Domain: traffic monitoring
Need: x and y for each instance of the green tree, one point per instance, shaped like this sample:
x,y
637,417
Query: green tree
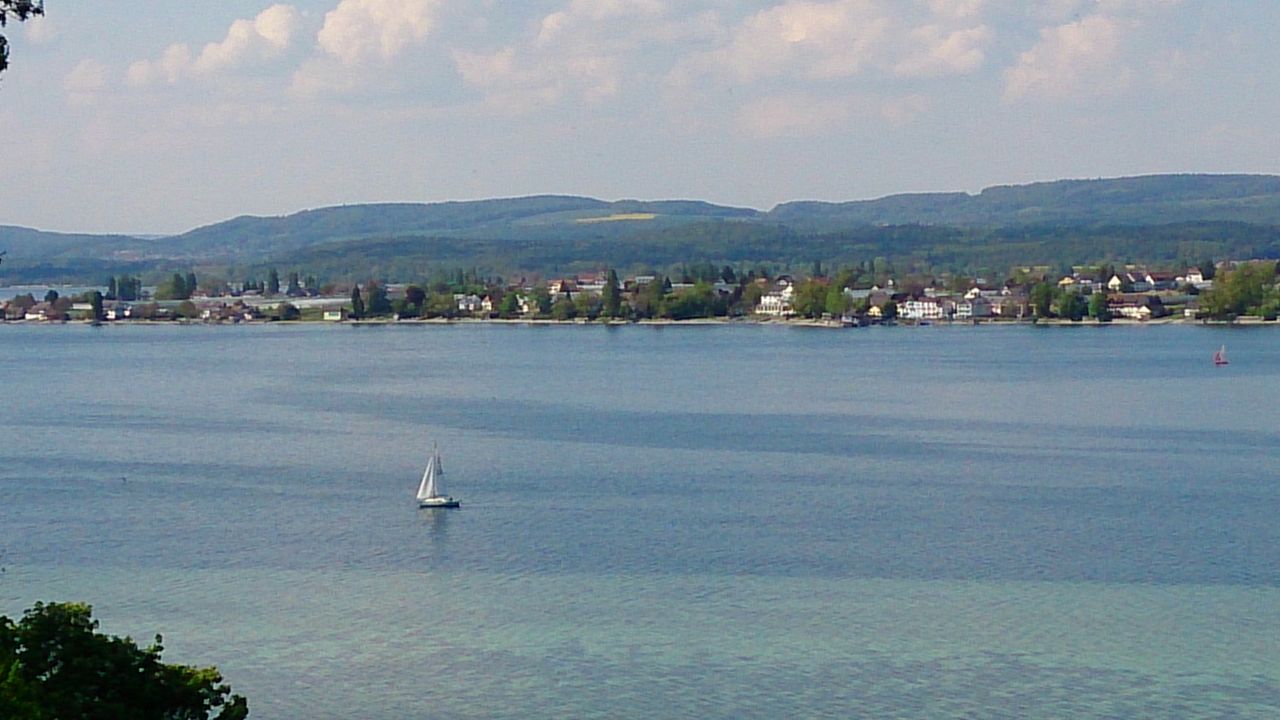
x,y
51,296
288,311
510,305
440,305
1042,299
357,303
273,282
542,300
810,298
750,298
650,298
1240,291
95,302
415,296
612,295
54,664
889,310
174,289
588,305
837,302
188,310
295,286
191,284
688,303
1072,306
1098,307
564,309
18,10
378,303
111,288
128,289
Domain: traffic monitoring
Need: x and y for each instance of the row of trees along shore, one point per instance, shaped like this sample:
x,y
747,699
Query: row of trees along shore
x,y
1245,288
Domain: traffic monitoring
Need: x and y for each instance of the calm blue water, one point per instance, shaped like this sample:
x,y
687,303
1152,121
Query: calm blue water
x,y
712,522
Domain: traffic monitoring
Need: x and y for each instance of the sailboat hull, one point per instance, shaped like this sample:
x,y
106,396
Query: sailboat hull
x,y
439,502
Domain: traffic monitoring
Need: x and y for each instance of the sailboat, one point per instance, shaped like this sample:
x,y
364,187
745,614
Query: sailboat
x,y
1220,356
429,495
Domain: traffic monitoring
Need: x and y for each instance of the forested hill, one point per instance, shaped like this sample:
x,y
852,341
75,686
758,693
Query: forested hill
x,y
1151,200
542,216
1141,219
1148,200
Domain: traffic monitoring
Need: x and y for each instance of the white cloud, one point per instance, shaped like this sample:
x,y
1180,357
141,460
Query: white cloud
x,y
587,51
267,35
1070,60
839,40
247,41
357,31
85,81
941,53
585,16
815,40
170,67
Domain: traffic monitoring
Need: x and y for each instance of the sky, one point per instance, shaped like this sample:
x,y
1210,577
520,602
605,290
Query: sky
x,y
158,116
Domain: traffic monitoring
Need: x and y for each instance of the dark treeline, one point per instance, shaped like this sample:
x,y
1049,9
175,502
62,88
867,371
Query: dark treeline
x,y
923,249
920,249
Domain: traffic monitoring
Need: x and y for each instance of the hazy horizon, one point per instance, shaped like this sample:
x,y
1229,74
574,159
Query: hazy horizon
x,y
299,211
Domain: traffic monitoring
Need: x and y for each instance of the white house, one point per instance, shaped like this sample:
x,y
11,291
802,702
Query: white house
x,y
1161,280
468,303
1136,307
1137,283
978,291
925,308
778,302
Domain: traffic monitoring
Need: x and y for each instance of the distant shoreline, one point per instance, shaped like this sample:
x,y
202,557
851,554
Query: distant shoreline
x,y
1248,321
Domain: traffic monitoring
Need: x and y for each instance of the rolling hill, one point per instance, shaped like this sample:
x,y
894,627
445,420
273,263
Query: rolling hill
x,y
1150,218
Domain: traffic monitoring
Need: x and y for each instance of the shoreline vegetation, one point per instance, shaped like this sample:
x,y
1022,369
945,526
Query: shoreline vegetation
x,y
1230,293
1246,321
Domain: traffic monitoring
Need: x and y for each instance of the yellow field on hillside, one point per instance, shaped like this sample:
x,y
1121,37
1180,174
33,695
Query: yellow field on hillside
x,y
619,217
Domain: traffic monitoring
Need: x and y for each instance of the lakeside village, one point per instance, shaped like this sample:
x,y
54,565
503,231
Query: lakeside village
x,y
1237,291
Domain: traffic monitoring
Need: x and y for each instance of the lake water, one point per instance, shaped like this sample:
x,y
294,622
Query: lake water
x,y
711,522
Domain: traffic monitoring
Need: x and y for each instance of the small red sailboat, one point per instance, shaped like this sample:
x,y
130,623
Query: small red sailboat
x,y
1220,356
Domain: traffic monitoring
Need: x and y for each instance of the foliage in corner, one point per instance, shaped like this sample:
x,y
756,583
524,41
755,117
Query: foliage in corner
x,y
18,10
54,664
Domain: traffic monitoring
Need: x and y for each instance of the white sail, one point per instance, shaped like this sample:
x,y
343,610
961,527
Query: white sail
x,y
437,468
427,488
430,492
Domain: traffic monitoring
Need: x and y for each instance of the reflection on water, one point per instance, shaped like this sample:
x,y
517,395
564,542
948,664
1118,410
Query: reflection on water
x,y
713,522
436,523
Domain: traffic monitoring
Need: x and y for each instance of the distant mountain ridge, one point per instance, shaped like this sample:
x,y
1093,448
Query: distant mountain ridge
x,y
546,230
1141,200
